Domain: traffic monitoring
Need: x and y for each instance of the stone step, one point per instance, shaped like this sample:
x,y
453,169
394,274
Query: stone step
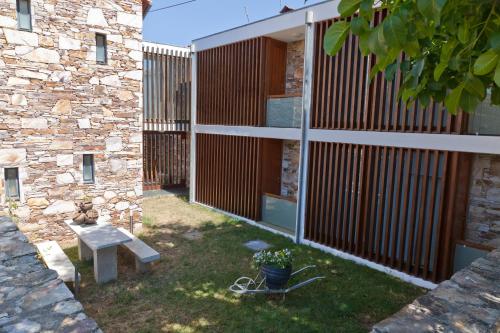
x,y
55,258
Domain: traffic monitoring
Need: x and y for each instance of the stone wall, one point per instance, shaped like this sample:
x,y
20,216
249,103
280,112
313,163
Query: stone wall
x,y
483,216
294,67
57,103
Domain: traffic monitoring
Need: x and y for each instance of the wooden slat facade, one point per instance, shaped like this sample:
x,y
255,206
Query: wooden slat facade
x,y
167,89
344,98
165,159
235,80
228,173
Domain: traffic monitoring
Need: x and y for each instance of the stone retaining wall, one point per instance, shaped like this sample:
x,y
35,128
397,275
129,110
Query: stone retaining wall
x,y
32,297
57,103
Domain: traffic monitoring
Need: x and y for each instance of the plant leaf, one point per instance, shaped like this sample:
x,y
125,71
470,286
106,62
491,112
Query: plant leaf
x,y
438,71
394,31
452,100
485,62
335,37
463,33
475,86
376,42
366,9
468,102
496,76
359,25
348,7
431,9
390,71
495,96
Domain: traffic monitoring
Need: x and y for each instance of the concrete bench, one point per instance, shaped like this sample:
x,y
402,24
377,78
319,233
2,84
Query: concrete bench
x,y
144,254
55,258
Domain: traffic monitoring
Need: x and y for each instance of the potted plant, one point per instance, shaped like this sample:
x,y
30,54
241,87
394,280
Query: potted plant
x,y
276,267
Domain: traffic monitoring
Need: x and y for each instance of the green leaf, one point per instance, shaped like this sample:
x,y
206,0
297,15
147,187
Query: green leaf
x,y
496,76
469,102
390,71
376,42
412,47
485,62
431,9
495,96
452,101
395,33
366,9
359,25
463,33
363,44
348,7
475,86
495,41
335,37
438,71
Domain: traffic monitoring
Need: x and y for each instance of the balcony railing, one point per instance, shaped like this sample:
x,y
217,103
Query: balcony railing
x,y
284,111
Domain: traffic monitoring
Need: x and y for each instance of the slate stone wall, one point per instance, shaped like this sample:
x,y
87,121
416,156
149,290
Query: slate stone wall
x,y
57,103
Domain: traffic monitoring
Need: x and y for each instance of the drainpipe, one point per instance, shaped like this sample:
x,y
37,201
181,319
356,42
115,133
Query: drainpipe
x,y
192,150
306,111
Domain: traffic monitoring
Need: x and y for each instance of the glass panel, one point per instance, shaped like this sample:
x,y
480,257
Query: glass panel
x,y
284,112
12,183
23,15
486,119
100,48
88,168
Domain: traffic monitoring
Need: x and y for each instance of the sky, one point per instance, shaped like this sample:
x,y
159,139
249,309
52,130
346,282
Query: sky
x,y
180,25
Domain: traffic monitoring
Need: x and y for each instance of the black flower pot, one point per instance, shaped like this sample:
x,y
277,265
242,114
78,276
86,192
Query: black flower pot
x,y
276,278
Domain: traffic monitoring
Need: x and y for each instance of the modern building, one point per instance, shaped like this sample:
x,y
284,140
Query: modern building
x,y
70,111
302,144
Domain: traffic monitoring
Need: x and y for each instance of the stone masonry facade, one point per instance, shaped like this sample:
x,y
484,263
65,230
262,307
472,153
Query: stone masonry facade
x,y
57,103
291,149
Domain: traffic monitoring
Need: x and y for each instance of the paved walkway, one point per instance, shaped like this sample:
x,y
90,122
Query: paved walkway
x,y
468,302
32,297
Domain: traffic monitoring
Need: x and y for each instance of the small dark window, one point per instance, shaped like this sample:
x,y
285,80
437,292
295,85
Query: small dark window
x,y
23,14
12,183
101,48
88,168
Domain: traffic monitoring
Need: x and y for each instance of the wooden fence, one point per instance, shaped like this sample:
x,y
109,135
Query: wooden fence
x,y
167,89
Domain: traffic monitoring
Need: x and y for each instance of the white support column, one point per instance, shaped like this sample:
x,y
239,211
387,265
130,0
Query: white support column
x,y
306,111
192,160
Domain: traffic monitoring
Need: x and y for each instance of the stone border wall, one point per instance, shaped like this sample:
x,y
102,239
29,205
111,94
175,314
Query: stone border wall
x,y
32,297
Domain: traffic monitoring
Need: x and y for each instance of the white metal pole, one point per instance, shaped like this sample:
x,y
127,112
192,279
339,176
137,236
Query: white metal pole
x,y
192,159
306,111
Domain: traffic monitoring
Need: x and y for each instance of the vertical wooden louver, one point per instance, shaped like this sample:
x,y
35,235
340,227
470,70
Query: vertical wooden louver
x,y
234,81
228,173
344,98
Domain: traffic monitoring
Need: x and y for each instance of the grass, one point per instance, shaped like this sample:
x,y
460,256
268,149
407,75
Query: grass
x,y
187,290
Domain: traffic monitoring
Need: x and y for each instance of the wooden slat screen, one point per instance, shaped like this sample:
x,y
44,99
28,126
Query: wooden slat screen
x,y
167,89
389,205
234,81
165,159
228,173
344,98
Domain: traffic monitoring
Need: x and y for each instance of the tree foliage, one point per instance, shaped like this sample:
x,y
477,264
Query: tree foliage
x,y
451,47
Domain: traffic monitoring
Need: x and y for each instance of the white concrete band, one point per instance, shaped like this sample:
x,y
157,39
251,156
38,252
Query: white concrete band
x,y
255,132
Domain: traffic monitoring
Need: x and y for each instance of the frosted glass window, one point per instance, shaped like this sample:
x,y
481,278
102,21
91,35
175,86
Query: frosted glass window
x,y
12,183
23,14
101,49
88,168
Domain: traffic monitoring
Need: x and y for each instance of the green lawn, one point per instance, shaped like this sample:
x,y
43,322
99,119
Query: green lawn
x,y
187,290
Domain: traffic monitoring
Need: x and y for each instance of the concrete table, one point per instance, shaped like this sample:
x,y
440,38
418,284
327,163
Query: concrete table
x,y
100,242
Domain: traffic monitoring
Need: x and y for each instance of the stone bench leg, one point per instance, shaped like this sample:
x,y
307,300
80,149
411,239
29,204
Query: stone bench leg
x,y
105,265
141,267
84,252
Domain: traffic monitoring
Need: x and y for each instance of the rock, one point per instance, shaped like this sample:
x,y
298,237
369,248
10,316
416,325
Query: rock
x,y
19,37
22,50
31,74
64,159
8,22
131,20
125,95
38,202
22,212
114,143
133,75
65,178
63,106
15,81
35,123
59,207
98,201
117,165
122,205
59,145
84,123
66,43
111,80
115,38
96,17
108,195
24,326
68,307
94,80
43,55
19,99
135,55
60,76
10,157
